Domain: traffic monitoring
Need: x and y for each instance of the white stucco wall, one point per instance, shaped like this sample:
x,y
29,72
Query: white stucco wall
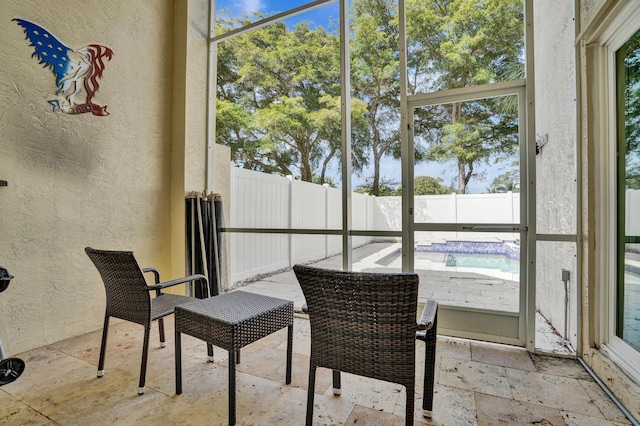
x,y
556,198
84,180
588,10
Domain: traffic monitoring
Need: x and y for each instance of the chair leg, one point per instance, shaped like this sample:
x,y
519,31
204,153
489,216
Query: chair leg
x,y
163,342
210,352
411,396
232,387
337,384
289,353
103,346
178,361
311,394
145,352
429,372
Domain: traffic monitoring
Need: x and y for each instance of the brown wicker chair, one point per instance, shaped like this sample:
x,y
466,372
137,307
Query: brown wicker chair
x,y
365,324
129,298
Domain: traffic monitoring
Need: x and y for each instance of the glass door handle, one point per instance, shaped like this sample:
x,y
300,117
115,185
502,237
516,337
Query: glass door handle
x,y
496,228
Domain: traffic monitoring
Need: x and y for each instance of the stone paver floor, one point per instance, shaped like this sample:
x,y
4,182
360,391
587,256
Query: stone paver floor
x,y
476,384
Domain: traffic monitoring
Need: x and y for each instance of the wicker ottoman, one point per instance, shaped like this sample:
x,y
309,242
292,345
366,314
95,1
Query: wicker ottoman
x,y
232,321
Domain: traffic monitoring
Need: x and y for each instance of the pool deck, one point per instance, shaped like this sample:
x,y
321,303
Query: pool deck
x,y
456,288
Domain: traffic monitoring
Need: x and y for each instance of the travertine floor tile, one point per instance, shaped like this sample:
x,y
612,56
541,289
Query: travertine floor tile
x,y
573,419
451,406
330,410
493,410
450,347
257,398
49,374
476,383
14,412
112,401
505,356
475,376
301,337
368,416
551,391
564,367
85,347
606,406
371,393
271,364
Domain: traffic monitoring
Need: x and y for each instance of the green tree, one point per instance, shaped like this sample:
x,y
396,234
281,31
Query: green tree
x,y
632,178
631,54
328,180
507,181
375,70
386,187
456,44
427,185
278,104
278,99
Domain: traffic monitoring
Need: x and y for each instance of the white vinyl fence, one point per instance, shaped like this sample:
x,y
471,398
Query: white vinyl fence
x,y
259,200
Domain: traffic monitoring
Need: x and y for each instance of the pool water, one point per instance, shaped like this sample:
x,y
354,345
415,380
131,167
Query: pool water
x,y
508,249
485,261
447,261
498,258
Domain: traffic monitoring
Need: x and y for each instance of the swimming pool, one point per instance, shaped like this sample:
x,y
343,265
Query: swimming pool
x,y
499,259
503,256
506,248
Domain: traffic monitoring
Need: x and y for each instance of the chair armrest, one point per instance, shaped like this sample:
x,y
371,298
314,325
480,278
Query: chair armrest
x,y
195,277
428,315
156,273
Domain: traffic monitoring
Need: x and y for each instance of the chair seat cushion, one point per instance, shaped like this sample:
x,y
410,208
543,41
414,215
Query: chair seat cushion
x,y
164,304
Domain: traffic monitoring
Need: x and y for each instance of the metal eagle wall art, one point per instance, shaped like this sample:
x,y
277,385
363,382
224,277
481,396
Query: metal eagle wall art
x,y
76,70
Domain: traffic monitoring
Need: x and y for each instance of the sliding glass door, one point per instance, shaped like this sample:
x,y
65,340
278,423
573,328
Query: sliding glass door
x,y
627,318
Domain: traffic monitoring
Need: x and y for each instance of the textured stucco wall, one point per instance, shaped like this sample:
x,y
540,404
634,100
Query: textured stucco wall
x,y
81,180
588,10
191,151
555,91
189,115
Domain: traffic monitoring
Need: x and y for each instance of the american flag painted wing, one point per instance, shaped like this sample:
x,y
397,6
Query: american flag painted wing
x,y
51,53
95,54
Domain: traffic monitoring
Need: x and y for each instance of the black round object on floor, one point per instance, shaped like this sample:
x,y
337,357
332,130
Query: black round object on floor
x,y
10,370
5,279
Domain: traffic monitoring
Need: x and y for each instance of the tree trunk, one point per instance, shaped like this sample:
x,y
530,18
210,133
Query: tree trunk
x,y
375,185
462,181
456,111
325,164
306,173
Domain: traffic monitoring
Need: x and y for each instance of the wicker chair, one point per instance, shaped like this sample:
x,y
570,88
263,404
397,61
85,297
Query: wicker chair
x,y
129,298
365,324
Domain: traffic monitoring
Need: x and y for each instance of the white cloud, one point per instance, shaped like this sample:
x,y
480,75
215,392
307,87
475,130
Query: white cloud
x,y
251,5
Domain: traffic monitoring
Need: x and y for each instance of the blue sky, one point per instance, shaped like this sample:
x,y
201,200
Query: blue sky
x,y
239,6
257,5
320,16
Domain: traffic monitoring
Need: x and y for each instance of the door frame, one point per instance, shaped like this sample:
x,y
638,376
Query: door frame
x,y
603,70
497,326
